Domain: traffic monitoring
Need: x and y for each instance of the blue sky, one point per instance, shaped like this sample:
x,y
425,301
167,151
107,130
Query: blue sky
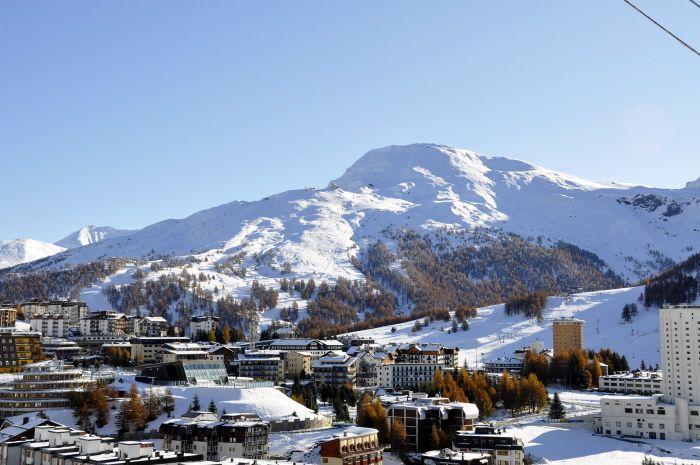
x,y
125,113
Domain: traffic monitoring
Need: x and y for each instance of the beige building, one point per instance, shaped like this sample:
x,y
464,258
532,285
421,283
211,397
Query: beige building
x,y
7,317
298,362
354,445
567,335
150,349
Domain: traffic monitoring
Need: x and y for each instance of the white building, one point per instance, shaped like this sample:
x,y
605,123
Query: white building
x,y
633,382
674,414
203,324
73,310
50,325
151,326
407,375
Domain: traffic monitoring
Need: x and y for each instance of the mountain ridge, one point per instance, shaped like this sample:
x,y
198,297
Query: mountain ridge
x,y
636,230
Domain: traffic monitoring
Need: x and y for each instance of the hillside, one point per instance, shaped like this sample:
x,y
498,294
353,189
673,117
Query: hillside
x,y
453,223
493,334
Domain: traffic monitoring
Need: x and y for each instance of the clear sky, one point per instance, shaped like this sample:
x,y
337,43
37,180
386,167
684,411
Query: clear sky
x,y
124,113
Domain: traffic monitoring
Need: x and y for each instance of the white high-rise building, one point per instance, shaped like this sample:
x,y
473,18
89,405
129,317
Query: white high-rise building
x,y
680,353
675,413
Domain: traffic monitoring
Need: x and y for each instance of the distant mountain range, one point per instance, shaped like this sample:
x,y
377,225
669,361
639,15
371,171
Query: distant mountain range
x,y
18,251
636,230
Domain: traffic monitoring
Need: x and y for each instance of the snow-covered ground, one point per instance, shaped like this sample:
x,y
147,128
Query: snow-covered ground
x,y
493,334
573,444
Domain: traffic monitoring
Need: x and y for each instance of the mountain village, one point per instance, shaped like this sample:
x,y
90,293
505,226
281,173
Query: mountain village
x,y
101,387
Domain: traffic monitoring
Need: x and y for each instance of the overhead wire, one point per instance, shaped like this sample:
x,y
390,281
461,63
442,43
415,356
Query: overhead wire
x,y
685,44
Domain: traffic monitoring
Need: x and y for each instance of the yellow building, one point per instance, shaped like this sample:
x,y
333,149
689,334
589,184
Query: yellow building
x,y
18,349
567,335
298,362
355,445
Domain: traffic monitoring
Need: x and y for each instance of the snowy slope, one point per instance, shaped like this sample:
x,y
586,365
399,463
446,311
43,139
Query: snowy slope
x,y
14,252
425,186
493,334
90,235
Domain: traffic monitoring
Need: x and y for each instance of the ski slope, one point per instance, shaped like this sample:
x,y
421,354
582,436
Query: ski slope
x,y
493,334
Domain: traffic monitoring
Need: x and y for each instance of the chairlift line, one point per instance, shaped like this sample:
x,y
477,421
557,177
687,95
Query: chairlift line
x,y
685,44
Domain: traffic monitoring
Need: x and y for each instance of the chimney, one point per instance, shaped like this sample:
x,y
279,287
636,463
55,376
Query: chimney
x,y
25,420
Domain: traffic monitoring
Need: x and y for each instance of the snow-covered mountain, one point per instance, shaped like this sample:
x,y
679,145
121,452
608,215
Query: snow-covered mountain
x,y
635,229
14,252
90,235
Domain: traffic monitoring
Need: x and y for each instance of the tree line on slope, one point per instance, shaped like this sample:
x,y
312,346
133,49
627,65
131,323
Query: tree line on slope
x,y
436,275
677,285
55,283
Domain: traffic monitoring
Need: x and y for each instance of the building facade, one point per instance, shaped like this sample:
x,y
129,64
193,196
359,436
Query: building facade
x,y
336,369
355,445
103,323
203,325
50,324
150,349
261,365
217,440
505,449
8,316
675,413
419,415
19,348
73,310
567,335
633,382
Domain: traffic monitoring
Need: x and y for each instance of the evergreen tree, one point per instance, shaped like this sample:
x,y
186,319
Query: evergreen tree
x,y
195,405
556,408
212,406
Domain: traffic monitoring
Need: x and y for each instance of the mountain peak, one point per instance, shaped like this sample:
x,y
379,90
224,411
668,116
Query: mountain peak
x,y
90,234
16,251
693,184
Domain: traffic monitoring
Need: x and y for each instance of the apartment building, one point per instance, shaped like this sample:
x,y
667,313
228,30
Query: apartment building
x,y
8,316
261,365
675,413
335,369
421,413
19,348
150,326
73,310
316,347
60,349
50,324
150,349
66,446
567,335
453,457
203,325
103,323
506,449
297,363
354,445
368,363
231,437
42,386
633,382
